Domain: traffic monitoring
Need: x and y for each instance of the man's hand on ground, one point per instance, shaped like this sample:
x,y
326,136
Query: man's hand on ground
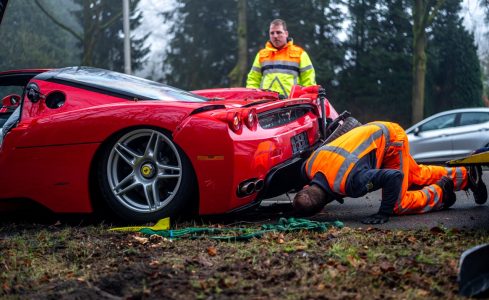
x,y
378,218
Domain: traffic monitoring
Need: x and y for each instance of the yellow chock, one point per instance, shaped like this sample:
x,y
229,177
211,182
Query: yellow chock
x,y
163,224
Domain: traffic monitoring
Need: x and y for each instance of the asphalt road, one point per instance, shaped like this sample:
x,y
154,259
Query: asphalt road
x,y
464,214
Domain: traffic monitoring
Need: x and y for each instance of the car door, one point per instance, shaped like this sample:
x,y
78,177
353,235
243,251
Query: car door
x,y
471,133
431,140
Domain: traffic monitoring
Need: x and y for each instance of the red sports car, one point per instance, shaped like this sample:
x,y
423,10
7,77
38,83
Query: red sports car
x,y
74,138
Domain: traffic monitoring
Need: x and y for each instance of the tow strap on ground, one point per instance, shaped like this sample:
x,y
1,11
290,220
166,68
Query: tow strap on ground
x,y
243,234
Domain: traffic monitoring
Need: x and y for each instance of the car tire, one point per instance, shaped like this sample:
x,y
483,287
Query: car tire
x,y
144,176
348,124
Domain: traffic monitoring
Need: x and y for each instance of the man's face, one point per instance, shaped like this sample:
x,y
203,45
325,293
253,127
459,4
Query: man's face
x,y
278,36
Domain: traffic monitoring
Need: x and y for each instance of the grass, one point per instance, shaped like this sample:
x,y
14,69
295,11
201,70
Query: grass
x,y
48,261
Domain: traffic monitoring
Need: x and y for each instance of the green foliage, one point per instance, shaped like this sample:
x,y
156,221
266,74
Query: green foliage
x,y
454,75
313,25
376,81
203,48
103,37
30,40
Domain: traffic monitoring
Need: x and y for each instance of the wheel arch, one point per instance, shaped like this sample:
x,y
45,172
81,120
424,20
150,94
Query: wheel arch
x,y
96,200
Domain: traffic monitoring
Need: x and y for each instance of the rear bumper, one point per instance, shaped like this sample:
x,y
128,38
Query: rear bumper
x,y
284,178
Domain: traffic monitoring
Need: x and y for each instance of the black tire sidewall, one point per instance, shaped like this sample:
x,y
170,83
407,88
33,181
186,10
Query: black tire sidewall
x,y
348,124
181,200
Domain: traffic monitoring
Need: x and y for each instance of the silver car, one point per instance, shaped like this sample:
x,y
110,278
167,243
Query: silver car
x,y
449,135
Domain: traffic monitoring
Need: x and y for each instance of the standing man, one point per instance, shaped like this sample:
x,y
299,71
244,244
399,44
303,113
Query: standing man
x,y
281,64
376,156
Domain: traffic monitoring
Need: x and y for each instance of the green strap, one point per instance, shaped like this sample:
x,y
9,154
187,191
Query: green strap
x,y
244,234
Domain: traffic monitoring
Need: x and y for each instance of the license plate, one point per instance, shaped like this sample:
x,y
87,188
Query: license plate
x,y
299,142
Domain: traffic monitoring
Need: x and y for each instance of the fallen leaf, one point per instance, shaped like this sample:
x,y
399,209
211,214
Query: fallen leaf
x,y
412,239
229,282
204,261
453,264
212,251
353,261
45,278
154,238
333,272
154,263
386,266
375,271
341,268
141,240
6,287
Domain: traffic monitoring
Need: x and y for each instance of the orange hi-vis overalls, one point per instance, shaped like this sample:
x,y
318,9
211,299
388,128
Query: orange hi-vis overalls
x,y
376,155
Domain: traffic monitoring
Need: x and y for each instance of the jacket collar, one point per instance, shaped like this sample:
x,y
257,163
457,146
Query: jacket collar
x,y
270,46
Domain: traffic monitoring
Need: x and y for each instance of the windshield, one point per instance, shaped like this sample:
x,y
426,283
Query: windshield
x,y
122,85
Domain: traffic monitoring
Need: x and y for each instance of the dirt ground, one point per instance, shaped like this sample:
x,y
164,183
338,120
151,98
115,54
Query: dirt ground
x,y
71,259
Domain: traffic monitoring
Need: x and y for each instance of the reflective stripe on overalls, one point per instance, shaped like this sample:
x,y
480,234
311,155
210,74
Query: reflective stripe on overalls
x,y
338,180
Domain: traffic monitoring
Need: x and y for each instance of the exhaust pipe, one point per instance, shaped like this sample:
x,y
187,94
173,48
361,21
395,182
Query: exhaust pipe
x,y
259,184
247,188
250,186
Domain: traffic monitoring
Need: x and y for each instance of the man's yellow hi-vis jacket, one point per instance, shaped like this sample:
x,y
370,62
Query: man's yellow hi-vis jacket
x,y
279,69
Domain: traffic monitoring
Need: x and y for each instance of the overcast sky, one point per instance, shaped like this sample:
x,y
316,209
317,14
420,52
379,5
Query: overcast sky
x,y
152,22
158,40
474,21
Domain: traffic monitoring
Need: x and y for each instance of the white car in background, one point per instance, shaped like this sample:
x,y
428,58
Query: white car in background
x,y
449,135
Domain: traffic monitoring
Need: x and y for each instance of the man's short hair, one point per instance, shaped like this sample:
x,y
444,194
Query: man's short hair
x,y
277,22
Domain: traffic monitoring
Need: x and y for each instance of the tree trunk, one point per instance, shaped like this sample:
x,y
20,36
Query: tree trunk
x,y
419,62
424,12
237,75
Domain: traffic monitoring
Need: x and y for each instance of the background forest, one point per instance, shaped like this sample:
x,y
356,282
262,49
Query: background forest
x,y
362,50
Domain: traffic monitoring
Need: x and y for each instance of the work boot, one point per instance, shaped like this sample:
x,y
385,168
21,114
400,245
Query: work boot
x,y
310,200
448,197
476,185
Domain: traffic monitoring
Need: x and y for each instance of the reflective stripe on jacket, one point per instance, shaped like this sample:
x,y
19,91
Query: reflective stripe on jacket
x,y
279,69
336,159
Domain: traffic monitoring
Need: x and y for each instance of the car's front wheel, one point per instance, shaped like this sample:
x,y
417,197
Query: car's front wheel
x,y
144,176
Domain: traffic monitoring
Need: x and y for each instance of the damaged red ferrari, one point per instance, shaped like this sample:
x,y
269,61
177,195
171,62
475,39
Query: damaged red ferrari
x,y
77,137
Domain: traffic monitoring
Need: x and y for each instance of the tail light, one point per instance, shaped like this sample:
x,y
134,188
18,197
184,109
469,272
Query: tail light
x,y
250,118
234,120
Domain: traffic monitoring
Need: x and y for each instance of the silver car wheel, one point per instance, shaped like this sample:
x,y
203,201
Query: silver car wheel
x,y
144,170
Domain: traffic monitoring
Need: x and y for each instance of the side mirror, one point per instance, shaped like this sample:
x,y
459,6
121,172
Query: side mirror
x,y
33,92
416,131
11,100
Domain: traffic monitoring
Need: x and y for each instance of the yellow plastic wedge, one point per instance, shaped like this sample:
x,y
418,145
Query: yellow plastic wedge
x,y
163,224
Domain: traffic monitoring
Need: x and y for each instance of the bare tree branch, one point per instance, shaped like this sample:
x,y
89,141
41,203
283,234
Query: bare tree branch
x,y
111,21
59,23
